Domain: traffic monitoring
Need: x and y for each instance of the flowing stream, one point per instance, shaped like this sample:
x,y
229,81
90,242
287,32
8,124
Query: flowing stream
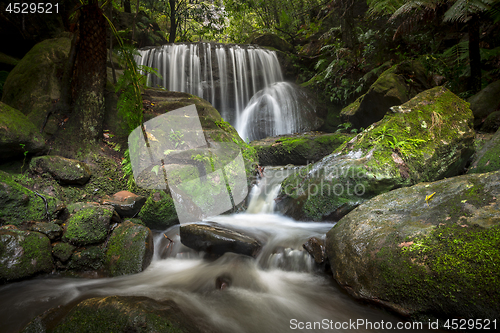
x,y
278,291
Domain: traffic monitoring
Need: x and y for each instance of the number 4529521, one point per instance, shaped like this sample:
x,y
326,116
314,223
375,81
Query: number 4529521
x,y
32,8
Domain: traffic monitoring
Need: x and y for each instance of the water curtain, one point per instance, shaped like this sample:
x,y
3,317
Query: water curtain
x,y
245,83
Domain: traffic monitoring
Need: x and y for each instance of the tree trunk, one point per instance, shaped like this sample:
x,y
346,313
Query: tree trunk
x,y
126,6
173,21
474,54
90,74
135,21
347,22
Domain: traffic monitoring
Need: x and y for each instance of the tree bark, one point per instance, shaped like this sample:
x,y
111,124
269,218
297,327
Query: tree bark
x,y
90,74
173,21
474,54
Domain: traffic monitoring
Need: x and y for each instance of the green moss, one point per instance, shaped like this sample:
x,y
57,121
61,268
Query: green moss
x,y
62,251
455,265
130,249
88,226
23,254
87,259
159,211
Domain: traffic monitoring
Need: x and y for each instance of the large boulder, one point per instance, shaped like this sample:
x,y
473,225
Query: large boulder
x,y
485,102
298,149
18,136
273,41
394,87
215,240
89,225
126,204
488,158
430,249
64,170
428,138
130,249
118,314
492,122
23,254
19,204
35,83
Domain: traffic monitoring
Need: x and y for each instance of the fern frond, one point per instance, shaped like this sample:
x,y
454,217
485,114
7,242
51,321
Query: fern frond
x,y
461,10
457,53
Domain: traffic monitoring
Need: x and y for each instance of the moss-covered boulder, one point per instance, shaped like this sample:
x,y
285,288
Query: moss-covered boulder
x,y
118,314
272,40
159,211
298,149
430,249
485,102
62,251
51,230
491,123
488,158
23,254
89,225
130,249
428,138
90,258
35,83
18,204
64,170
18,136
394,87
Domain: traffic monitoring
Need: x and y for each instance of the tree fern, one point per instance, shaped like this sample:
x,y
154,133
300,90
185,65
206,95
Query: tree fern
x,y
461,10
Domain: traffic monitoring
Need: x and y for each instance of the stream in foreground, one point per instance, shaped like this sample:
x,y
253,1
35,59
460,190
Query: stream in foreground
x,y
279,291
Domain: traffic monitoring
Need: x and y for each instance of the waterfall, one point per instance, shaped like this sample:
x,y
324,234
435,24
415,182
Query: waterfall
x,y
234,78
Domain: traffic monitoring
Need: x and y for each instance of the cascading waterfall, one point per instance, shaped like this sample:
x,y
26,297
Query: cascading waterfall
x,y
232,77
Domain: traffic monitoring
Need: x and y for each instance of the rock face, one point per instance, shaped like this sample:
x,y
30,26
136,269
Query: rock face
x,y
118,314
126,204
300,149
130,249
64,170
491,123
272,40
432,248
488,158
394,87
18,204
428,138
17,134
35,83
88,226
485,102
23,254
216,240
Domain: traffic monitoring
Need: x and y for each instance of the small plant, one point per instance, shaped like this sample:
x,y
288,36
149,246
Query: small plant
x,y
25,155
343,127
176,137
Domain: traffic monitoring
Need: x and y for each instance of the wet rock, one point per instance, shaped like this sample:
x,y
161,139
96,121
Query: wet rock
x,y
35,83
272,40
18,204
130,249
118,314
51,230
491,123
158,211
488,158
62,251
394,87
126,204
316,248
89,225
428,138
87,259
216,240
18,136
23,254
64,170
485,102
432,248
300,149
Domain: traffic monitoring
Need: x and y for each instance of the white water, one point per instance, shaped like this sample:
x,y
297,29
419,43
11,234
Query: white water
x,y
265,294
233,78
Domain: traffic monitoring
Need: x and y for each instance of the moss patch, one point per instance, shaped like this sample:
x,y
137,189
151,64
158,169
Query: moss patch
x,y
88,226
159,211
